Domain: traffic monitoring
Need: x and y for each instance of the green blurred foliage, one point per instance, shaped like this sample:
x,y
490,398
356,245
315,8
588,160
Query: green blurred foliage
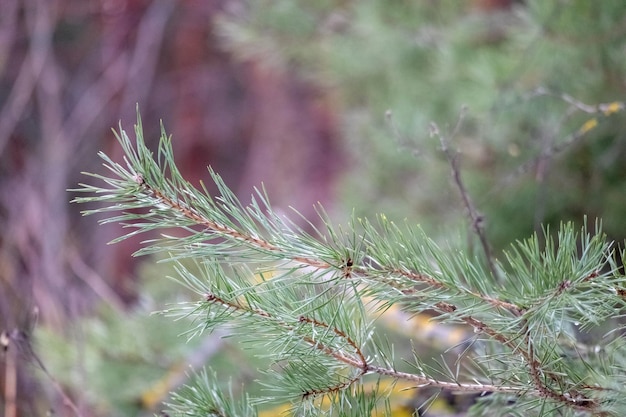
x,y
115,357
127,363
424,61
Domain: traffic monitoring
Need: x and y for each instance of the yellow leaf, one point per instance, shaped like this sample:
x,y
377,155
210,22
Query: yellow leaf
x,y
589,124
611,108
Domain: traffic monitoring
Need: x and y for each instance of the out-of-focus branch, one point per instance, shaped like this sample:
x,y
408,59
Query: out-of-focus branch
x,y
476,219
10,376
19,343
143,62
28,73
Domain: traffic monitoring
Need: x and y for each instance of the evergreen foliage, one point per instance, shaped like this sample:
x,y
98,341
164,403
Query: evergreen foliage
x,y
546,315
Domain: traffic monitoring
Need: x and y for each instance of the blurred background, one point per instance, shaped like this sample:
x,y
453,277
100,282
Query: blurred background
x,y
327,101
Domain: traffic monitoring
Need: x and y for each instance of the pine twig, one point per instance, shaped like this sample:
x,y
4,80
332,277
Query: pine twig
x,y
357,359
347,268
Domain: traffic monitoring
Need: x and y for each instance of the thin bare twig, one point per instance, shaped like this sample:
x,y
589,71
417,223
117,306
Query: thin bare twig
x,y
556,148
96,282
403,141
19,342
28,75
477,220
10,376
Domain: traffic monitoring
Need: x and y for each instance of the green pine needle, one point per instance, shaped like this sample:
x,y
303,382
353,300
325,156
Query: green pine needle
x,y
544,336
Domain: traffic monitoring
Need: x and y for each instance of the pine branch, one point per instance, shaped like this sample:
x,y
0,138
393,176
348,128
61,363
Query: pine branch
x,y
357,359
316,313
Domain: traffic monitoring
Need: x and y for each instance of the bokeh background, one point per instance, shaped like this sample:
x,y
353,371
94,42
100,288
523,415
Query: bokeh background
x,y
327,101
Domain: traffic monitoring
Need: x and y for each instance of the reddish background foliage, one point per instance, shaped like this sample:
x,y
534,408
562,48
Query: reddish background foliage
x,y
70,70
74,69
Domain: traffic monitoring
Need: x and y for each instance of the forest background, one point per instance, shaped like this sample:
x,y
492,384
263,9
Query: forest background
x,y
328,101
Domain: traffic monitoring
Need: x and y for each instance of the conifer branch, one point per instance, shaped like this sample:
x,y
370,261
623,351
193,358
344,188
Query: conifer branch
x,y
361,363
347,268
313,311
541,389
220,229
424,279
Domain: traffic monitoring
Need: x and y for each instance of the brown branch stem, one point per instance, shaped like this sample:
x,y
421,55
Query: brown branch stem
x,y
421,381
19,342
475,218
339,333
426,279
361,363
577,399
223,230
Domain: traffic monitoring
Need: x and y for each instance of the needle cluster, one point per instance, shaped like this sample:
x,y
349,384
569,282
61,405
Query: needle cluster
x,y
310,300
